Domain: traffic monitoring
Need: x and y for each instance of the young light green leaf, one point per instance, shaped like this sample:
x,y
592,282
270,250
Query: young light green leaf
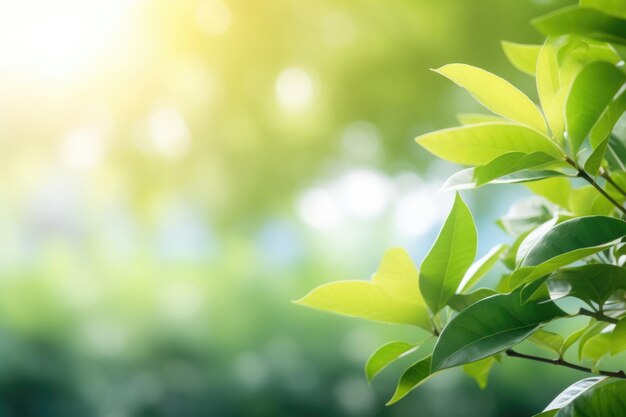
x,y
449,258
385,355
573,391
612,7
479,144
593,328
412,378
522,56
571,339
480,268
547,340
588,99
488,327
555,190
393,295
618,337
597,348
496,94
479,370
605,398
582,21
594,161
593,283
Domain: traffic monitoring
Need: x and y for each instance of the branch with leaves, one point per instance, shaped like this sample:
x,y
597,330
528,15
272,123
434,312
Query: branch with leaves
x,y
567,241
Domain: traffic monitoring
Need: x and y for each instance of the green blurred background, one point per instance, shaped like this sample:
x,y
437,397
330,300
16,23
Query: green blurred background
x,y
175,171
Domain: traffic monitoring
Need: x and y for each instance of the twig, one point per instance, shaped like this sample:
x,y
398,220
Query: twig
x,y
583,174
562,362
604,174
597,315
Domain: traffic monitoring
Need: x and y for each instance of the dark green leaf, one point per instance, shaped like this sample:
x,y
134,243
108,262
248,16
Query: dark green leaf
x,y
460,302
412,378
594,283
607,398
488,327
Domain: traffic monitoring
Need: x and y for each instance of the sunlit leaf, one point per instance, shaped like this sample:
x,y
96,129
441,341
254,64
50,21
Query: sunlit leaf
x,y
618,337
588,99
522,56
481,267
482,143
496,94
392,296
547,340
460,302
385,355
475,118
479,370
449,258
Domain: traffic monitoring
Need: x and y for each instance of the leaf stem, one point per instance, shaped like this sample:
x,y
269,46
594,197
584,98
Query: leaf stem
x,y
597,315
604,174
561,362
584,175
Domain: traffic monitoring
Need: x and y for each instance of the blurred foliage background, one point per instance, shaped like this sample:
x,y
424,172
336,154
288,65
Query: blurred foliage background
x,y
175,171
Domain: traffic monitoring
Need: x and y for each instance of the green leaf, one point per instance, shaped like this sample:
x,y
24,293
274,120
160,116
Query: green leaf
x,y
480,370
460,302
393,295
587,201
385,355
466,179
593,283
572,392
612,7
496,94
555,190
596,348
513,162
482,143
593,328
582,21
449,258
412,378
618,337
571,339
569,242
575,234
488,327
523,216
547,340
548,85
588,99
481,267
593,163
606,398
522,56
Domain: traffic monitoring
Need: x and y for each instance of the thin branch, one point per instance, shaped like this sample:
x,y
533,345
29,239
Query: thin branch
x,y
583,174
597,315
562,362
604,174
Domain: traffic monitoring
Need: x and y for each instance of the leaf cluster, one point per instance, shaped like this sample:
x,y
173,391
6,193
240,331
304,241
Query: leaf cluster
x,y
566,242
